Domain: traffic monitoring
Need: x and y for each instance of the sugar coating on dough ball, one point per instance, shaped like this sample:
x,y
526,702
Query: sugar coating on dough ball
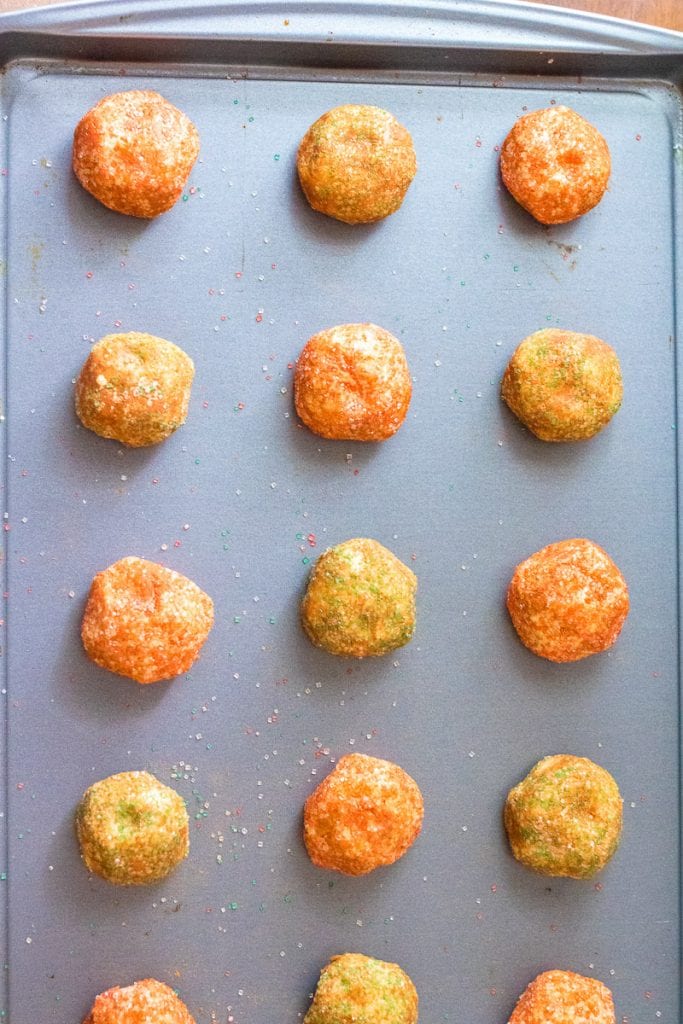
x,y
352,383
140,1003
134,152
355,163
562,385
357,989
132,829
555,164
562,997
565,818
366,814
568,600
134,388
360,600
144,621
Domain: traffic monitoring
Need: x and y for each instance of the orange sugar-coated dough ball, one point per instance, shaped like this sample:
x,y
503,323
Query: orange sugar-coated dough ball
x,y
145,621
568,600
352,383
563,997
355,163
134,152
555,164
143,1002
364,815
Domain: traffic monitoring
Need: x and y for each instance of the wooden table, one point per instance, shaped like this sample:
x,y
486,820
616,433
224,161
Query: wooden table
x,y
666,13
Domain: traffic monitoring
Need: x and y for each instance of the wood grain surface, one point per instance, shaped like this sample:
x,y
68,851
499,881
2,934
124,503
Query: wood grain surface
x,y
665,13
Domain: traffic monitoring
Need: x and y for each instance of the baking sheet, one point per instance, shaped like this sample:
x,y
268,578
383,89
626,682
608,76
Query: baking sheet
x,y
242,499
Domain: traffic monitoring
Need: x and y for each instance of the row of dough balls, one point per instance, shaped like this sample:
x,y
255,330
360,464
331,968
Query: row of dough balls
x,y
354,988
563,820
351,383
149,623
134,151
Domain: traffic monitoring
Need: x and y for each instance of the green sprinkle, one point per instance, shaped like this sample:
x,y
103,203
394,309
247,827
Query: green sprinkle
x,y
237,619
305,560
233,906
185,198
276,157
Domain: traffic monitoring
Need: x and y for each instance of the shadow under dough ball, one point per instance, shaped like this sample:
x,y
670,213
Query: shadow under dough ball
x,y
354,988
352,383
133,151
562,385
568,600
144,621
134,388
564,819
132,829
555,164
360,600
366,814
563,997
143,1001
355,163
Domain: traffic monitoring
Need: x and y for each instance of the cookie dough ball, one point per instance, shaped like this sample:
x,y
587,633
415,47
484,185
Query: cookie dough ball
x,y
139,1003
134,152
564,819
352,383
355,163
562,385
360,600
354,988
134,388
144,621
562,997
555,164
363,816
132,829
568,600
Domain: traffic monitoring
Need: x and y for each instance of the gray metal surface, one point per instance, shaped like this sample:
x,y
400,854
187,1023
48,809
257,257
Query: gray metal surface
x,y
240,274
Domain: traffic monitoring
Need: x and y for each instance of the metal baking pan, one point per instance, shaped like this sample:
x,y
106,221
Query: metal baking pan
x,y
243,498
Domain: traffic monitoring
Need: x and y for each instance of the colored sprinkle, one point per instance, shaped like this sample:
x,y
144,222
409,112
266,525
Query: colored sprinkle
x,y
276,157
88,274
305,560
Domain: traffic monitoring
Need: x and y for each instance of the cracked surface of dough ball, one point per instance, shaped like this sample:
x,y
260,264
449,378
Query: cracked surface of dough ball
x,y
352,383
366,814
140,1003
132,829
134,152
562,997
360,600
562,385
357,989
144,621
568,600
565,818
134,388
355,163
555,164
